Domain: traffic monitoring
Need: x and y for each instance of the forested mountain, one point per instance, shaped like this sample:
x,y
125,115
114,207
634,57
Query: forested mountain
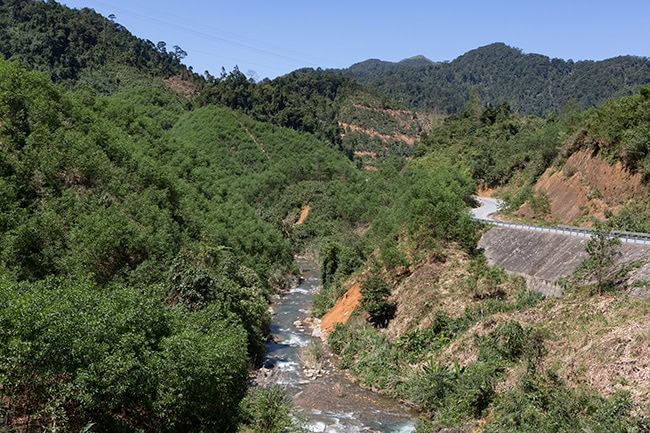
x,y
530,83
81,46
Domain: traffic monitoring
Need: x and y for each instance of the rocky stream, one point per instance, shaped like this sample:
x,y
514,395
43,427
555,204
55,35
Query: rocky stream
x,y
323,396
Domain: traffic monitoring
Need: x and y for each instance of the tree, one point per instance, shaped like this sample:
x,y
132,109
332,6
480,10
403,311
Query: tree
x,y
179,53
162,47
603,249
375,293
473,107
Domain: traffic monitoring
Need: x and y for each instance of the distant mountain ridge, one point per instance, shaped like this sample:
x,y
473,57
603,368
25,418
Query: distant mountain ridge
x,y
531,83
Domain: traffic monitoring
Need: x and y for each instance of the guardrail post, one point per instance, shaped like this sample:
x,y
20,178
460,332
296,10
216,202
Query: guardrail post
x,y
627,237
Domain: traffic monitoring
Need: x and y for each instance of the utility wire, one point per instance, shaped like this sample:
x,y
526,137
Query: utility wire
x,y
212,37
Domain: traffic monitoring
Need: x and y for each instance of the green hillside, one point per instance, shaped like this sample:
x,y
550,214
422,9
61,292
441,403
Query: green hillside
x,y
325,104
530,83
81,46
132,229
145,228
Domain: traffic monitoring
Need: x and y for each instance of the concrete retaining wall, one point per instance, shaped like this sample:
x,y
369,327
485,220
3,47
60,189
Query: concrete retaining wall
x,y
543,258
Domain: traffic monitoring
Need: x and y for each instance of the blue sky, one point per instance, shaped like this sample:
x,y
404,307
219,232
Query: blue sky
x,y
273,37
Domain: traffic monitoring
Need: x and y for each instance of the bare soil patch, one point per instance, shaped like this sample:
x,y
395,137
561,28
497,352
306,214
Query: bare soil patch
x,y
304,212
343,308
181,85
383,137
586,186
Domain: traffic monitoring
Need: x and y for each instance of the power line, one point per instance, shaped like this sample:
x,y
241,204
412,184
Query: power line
x,y
212,37
221,57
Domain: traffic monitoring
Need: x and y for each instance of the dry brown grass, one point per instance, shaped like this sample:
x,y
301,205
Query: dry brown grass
x,y
602,342
431,286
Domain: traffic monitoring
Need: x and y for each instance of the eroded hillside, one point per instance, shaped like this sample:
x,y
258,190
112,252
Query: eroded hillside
x,y
468,333
586,186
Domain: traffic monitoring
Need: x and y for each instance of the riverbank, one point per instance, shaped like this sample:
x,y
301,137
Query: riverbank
x,y
325,397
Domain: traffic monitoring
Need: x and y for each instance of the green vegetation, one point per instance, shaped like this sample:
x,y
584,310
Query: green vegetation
x,y
374,300
303,100
619,130
186,215
456,394
603,248
98,327
317,102
74,354
504,150
141,244
543,403
451,394
496,145
386,364
532,83
82,47
143,231
415,212
267,410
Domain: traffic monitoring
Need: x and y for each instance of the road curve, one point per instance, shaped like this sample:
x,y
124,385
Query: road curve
x,y
492,205
487,208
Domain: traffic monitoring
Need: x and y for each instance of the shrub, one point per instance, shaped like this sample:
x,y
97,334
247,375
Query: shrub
x,y
437,335
527,298
201,372
268,410
370,356
454,394
545,404
374,299
71,354
507,342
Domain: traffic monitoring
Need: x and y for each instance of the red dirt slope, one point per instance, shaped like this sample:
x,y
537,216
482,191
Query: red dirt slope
x,y
341,312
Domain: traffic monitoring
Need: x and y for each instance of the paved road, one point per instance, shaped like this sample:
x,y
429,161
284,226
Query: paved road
x,y
487,208
492,205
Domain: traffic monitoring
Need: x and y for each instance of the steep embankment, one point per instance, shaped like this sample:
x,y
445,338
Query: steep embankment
x,y
586,186
413,294
447,308
544,258
598,343
343,308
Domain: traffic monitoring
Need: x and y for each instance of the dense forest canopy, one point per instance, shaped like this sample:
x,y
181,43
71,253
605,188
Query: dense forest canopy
x,y
531,83
75,46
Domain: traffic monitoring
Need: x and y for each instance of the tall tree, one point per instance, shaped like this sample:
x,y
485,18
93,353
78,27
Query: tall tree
x,y
603,249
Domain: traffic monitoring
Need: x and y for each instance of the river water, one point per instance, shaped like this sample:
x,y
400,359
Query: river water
x,y
324,398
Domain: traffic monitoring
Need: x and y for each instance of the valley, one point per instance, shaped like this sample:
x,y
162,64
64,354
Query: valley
x,y
189,252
